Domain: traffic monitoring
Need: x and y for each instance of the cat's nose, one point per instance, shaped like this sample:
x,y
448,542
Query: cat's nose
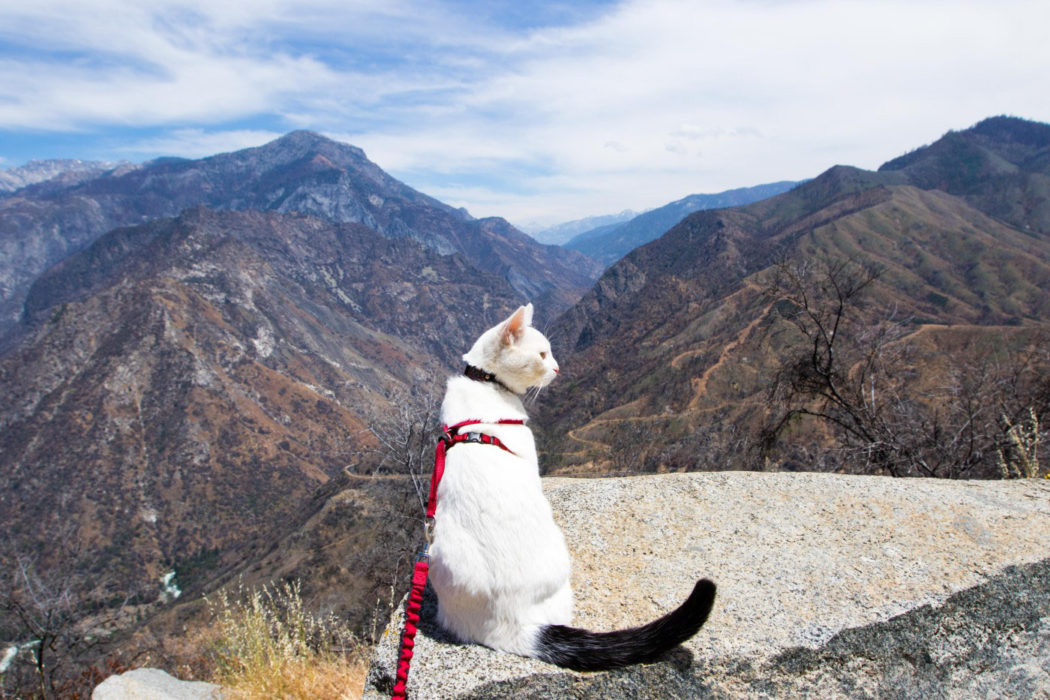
x,y
556,369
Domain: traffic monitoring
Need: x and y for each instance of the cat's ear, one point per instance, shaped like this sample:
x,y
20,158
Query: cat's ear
x,y
515,326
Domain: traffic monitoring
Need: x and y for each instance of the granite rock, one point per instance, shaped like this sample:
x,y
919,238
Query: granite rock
x,y
153,684
829,586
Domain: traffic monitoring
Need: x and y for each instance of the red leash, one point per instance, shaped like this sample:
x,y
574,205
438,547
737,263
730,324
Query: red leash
x,y
451,437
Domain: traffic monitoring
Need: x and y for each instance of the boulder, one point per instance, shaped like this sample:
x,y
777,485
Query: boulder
x,y
829,586
153,684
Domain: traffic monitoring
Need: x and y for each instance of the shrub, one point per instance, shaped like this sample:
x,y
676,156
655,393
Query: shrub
x,y
1020,459
272,647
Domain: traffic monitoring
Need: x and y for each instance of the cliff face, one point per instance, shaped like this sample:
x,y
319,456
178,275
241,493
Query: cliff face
x,y
828,585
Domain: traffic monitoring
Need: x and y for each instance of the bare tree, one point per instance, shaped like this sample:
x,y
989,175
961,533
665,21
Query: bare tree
x,y
829,375
853,367
405,438
40,616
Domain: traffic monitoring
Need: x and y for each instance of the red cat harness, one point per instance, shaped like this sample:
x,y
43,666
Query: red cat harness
x,y
451,436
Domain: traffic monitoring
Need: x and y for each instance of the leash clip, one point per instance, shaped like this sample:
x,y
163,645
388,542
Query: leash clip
x,y
428,532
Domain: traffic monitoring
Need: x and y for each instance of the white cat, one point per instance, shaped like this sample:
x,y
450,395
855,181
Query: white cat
x,y
499,564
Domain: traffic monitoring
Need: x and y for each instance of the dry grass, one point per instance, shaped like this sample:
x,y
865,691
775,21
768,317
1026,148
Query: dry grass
x,y
271,647
1021,461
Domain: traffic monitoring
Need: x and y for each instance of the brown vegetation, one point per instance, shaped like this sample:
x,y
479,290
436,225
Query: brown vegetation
x,y
890,407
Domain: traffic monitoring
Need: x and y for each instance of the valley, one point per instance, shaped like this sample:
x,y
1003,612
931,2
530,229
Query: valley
x,y
229,367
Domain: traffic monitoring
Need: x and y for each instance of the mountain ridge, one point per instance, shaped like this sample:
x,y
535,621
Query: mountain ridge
x,y
706,343
611,242
563,232
1001,165
301,172
57,171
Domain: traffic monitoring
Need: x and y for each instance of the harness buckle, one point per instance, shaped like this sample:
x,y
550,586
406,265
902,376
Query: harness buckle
x,y
473,437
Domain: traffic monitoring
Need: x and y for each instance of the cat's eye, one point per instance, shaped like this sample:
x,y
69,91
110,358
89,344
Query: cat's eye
x,y
543,355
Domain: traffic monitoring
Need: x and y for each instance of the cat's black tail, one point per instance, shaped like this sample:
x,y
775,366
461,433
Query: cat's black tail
x,y
581,650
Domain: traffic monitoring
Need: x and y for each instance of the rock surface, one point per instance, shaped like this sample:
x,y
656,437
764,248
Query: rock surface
x,y
828,586
153,684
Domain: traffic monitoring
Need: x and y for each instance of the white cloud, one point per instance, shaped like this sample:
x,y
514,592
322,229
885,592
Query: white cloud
x,y
648,102
766,91
143,64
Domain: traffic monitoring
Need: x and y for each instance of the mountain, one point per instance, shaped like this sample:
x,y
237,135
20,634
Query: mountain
x,y
301,172
668,362
1001,166
185,386
562,233
59,172
610,242
200,356
236,387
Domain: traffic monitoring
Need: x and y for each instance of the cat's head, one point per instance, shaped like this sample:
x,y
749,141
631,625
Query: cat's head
x,y
516,353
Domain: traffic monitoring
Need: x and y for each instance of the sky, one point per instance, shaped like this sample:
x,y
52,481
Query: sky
x,y
539,112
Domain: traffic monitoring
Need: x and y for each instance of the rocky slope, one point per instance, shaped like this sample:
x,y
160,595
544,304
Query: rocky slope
x,y
705,339
829,586
188,384
302,172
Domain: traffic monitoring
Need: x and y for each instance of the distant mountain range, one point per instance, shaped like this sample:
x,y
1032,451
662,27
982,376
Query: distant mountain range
x,y
562,233
302,172
667,360
60,172
610,241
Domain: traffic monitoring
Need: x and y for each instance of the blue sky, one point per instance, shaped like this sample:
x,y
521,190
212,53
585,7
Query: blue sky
x,y
536,111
